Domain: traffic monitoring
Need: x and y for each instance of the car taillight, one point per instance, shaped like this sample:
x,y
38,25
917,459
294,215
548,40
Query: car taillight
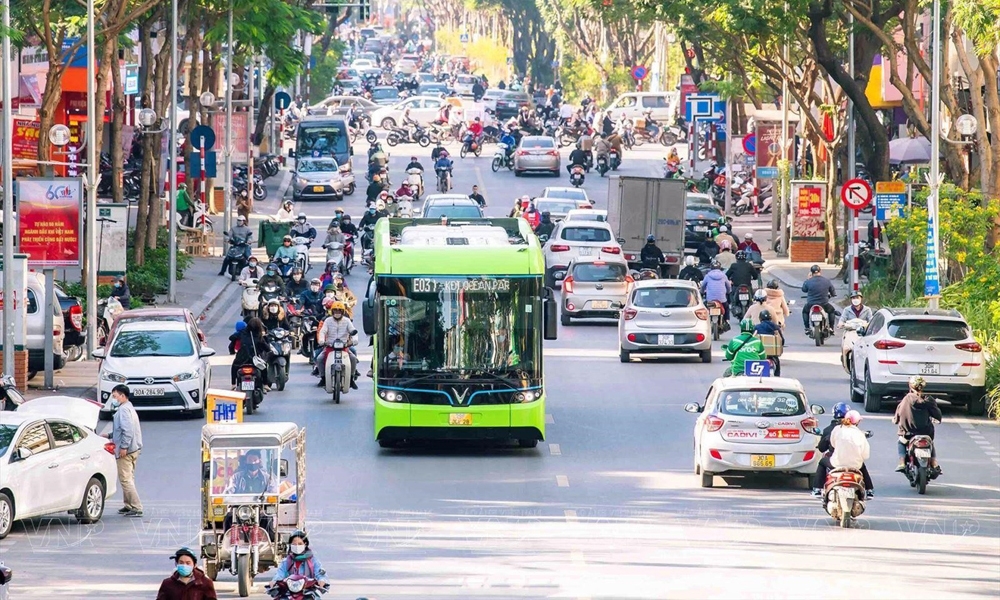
x,y
713,423
522,152
630,314
629,279
810,423
567,285
699,337
110,447
611,249
970,347
808,456
553,153
701,313
745,290
76,317
715,454
888,344
631,337
558,248
671,260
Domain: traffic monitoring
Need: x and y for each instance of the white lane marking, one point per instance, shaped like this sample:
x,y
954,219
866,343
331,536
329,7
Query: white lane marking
x,y
562,481
549,420
982,442
965,425
554,450
576,556
482,184
570,515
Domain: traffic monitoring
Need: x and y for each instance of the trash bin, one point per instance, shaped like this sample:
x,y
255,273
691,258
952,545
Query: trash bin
x,y
270,234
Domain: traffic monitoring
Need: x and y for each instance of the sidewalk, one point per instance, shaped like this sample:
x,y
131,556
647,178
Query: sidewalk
x,y
793,274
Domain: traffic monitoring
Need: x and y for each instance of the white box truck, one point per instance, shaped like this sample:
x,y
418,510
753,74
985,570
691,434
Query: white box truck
x,y
640,206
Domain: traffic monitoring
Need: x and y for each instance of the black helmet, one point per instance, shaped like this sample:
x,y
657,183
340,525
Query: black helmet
x,y
546,214
814,269
741,255
857,294
185,551
773,284
650,238
298,533
765,315
716,264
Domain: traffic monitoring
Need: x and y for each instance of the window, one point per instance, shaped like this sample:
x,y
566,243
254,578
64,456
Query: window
x,y
537,143
664,297
569,194
132,344
6,437
453,211
35,438
432,104
65,434
626,102
317,166
656,102
32,303
600,273
761,403
586,234
555,206
928,330
875,325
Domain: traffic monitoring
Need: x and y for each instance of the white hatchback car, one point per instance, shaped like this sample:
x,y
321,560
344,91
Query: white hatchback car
x,y
163,364
899,343
577,239
566,193
755,425
54,461
664,316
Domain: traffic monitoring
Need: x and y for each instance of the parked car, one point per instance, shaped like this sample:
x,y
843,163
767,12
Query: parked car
x,y
176,315
162,362
36,332
937,345
571,240
452,206
317,179
664,316
593,288
537,153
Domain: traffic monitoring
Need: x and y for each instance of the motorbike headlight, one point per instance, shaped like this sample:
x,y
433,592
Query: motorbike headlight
x,y
110,376
188,376
244,514
295,585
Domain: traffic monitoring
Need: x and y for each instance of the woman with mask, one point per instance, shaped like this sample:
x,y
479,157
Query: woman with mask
x,y
296,284
300,561
253,343
120,290
187,580
274,315
776,303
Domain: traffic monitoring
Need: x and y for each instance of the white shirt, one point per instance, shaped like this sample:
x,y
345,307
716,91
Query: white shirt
x,y
850,447
565,111
285,215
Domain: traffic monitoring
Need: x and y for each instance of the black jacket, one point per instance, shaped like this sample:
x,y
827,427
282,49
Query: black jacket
x,y
348,228
545,227
415,165
273,322
650,252
247,346
578,157
123,294
478,198
295,288
374,189
914,413
276,280
824,439
742,272
369,218
692,273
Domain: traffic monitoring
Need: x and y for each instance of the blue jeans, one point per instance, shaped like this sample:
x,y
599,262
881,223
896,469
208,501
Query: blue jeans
x,y
901,450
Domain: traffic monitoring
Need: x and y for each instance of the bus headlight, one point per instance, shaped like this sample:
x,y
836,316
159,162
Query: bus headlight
x,y
528,396
392,396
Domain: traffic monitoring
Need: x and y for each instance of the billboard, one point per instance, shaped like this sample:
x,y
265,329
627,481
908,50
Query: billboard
x,y
50,221
768,147
25,138
241,149
112,230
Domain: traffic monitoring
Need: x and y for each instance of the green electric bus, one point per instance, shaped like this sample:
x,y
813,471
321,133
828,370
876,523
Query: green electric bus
x,y
458,312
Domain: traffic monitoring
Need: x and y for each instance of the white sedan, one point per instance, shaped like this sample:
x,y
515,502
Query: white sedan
x,y
53,461
755,424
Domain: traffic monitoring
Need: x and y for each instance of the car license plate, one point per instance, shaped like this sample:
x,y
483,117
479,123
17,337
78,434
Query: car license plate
x,y
586,251
700,228
460,419
247,386
762,460
599,304
317,188
744,297
147,392
664,340
930,369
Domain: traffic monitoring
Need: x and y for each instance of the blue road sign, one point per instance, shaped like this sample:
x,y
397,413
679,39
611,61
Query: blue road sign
x,y
282,100
932,284
639,72
194,165
202,136
704,107
889,205
757,368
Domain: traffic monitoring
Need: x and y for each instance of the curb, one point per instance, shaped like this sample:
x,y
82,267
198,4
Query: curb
x,y
286,182
201,306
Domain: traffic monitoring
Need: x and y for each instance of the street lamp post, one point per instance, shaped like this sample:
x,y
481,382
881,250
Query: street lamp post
x,y
91,212
227,217
7,158
933,200
172,289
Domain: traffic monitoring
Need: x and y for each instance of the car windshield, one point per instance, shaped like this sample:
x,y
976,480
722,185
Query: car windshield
x,y
598,272
761,403
133,344
586,234
317,166
237,471
928,330
321,139
453,212
568,194
664,297
537,143
6,437
384,93
555,207
460,325
702,212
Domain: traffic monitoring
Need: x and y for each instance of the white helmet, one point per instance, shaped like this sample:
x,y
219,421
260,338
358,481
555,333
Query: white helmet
x,y
689,261
748,236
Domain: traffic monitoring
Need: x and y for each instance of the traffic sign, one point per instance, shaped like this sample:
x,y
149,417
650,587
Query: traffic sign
x,y
282,100
890,198
194,165
639,72
202,136
750,144
757,368
856,194
464,38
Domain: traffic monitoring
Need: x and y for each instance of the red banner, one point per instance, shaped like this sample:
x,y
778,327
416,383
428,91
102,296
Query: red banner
x,y
25,139
49,215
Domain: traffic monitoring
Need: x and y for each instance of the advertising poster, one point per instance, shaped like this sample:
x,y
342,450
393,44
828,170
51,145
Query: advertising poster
x,y
768,147
50,220
808,205
241,149
112,229
25,139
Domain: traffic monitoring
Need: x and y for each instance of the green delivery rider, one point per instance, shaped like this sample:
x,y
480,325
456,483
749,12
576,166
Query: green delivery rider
x,y
746,346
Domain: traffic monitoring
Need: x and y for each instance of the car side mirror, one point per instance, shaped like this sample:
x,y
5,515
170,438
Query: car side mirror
x,y
861,330
283,467
22,454
98,353
543,238
206,352
693,407
816,409
549,315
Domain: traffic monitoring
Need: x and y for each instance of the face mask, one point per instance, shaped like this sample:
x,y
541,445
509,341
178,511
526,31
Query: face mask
x,y
296,277
297,548
271,272
330,294
253,265
856,302
253,467
185,570
118,285
337,316
274,310
115,404
371,211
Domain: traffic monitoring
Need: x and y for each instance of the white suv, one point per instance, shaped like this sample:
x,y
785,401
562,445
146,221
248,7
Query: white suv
x,y
577,239
899,343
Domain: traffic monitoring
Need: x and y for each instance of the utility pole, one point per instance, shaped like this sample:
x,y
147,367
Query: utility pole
x,y
92,173
227,218
7,158
172,289
784,201
851,152
933,204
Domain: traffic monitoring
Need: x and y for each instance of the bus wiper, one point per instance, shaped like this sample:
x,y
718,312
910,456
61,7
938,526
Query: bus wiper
x,y
419,378
497,377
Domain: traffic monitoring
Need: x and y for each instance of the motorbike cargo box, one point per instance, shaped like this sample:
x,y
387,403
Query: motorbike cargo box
x,y
270,234
772,344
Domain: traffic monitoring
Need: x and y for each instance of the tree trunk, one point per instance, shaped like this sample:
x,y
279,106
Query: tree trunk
x,y
118,108
265,112
146,100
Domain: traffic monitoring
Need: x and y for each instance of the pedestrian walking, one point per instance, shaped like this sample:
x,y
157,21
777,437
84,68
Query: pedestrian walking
x,y
187,582
127,437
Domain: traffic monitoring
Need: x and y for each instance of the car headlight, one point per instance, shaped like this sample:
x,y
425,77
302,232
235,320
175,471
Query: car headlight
x,y
391,396
528,396
301,181
244,513
188,376
295,585
110,376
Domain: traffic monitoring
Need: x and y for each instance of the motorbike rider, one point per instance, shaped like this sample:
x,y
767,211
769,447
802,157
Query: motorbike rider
x,y
725,254
285,250
274,315
532,216
651,256
336,327
437,151
715,287
508,139
742,272
857,310
414,164
691,272
673,160
343,293
312,298
303,228
476,129
296,283
601,146
913,417
409,123
577,157
252,270
333,237
347,227
286,212
776,303
374,189
272,277
545,226
252,344
239,232
746,346
300,560
749,245
121,291
724,235
372,215
849,441
477,197
753,313
444,164
818,291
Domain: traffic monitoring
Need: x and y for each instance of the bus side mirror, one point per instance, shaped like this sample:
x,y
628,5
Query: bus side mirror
x,y
550,316
368,310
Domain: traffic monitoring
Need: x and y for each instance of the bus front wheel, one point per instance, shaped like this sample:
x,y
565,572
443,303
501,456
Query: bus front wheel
x,y
525,443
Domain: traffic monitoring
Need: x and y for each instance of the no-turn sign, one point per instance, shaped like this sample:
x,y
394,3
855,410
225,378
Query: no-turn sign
x,y
856,194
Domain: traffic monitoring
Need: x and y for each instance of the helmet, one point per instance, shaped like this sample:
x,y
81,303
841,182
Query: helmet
x,y
240,326
853,417
338,211
315,280
748,236
298,533
746,326
302,216
184,552
814,269
917,383
413,158
765,315
725,245
274,301
688,261
380,205
773,284
723,229
272,267
650,238
287,202
335,305
287,238
840,410
241,219
444,154
857,294
716,264
760,296
741,255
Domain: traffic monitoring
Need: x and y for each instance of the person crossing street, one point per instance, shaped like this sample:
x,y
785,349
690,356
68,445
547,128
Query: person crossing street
x,y
127,437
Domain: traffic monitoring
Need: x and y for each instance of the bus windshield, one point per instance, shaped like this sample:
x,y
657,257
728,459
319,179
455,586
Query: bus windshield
x,y
460,325
321,139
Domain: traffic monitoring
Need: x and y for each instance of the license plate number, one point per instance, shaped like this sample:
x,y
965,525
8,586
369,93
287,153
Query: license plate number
x,y
147,392
247,386
586,251
715,311
847,491
762,460
460,419
700,228
921,453
664,340
744,297
930,369
599,304
815,318
317,188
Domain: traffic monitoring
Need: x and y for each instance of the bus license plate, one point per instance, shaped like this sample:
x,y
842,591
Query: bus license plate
x,y
762,460
930,369
317,188
147,392
600,304
460,419
665,340
247,386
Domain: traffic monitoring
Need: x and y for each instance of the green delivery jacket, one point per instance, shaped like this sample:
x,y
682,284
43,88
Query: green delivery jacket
x,y
744,347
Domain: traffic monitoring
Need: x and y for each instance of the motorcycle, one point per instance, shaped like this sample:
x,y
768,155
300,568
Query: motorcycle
x,y
269,292
741,301
576,175
614,159
348,262
415,179
310,325
107,310
847,342
251,384
672,170
285,266
919,450
302,252
296,587
250,299
338,370
403,135
335,255
819,324
403,207
443,180
602,165
279,360
715,312
502,158
470,145
844,495
237,255
294,318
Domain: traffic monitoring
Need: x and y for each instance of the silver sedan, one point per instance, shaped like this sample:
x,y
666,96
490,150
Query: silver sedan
x,y
317,179
536,153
